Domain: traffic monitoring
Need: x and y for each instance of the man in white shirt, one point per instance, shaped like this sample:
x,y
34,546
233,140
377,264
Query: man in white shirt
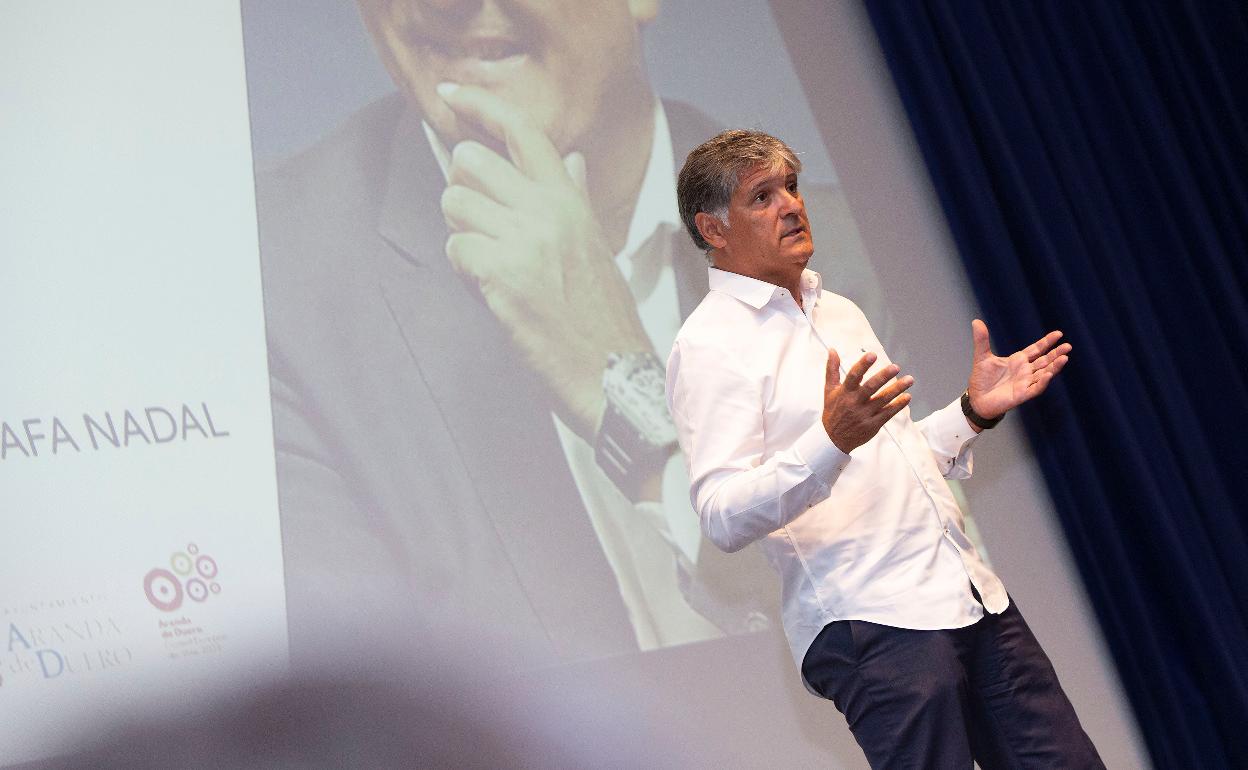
x,y
889,610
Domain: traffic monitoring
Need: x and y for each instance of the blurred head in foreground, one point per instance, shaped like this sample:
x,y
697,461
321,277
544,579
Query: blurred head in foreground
x,y
425,707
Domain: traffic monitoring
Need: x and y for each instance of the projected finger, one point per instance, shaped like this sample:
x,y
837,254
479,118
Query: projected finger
x,y
530,149
466,209
472,254
478,167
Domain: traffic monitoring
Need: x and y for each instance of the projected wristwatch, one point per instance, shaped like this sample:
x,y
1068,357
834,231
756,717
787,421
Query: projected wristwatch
x,y
637,435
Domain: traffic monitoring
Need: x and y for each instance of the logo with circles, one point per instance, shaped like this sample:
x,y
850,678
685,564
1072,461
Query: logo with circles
x,y
190,574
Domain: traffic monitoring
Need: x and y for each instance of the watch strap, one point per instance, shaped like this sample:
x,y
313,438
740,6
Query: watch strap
x,y
974,418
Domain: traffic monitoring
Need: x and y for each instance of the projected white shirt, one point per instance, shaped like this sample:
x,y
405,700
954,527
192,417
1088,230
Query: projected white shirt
x,y
874,535
642,542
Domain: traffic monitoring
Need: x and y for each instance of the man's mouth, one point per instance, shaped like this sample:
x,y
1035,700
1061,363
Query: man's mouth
x,y
478,58
800,229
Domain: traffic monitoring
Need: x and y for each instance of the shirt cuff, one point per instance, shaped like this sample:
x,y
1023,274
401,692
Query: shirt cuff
x,y
950,436
948,432
816,451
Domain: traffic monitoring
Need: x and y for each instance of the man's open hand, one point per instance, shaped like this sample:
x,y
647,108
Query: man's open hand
x,y
853,410
524,230
998,384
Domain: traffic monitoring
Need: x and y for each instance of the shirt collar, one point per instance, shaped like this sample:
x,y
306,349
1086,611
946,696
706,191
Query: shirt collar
x,y
656,200
756,293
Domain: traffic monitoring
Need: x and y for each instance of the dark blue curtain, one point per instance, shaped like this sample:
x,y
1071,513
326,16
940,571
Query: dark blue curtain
x,y
1092,161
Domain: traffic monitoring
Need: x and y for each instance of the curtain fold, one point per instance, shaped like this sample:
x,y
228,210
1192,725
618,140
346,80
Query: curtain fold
x,y
1092,160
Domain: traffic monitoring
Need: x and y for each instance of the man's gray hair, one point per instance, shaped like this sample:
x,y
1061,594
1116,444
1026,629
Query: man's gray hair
x,y
713,170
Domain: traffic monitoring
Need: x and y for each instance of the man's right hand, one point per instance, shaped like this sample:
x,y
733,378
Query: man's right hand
x,y
524,230
853,410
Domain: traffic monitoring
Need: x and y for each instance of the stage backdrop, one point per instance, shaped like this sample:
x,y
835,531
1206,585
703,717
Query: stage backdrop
x,y
141,555
225,454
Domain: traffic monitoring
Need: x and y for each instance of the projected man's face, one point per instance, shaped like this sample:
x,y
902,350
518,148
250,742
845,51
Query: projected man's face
x,y
566,63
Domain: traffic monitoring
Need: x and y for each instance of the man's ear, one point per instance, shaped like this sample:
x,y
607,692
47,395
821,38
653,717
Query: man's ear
x,y
712,228
643,11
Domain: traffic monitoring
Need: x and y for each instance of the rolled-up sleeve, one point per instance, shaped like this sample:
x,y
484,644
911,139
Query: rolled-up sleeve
x,y
740,494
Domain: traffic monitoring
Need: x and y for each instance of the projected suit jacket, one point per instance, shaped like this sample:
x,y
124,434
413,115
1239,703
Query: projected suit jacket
x,y
421,482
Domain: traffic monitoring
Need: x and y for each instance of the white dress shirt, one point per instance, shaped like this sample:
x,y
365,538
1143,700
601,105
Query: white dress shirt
x,y
871,535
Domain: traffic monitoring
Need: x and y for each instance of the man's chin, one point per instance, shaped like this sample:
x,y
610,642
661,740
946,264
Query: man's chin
x,y
801,249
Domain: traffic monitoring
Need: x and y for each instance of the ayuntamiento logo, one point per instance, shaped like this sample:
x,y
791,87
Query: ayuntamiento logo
x,y
190,574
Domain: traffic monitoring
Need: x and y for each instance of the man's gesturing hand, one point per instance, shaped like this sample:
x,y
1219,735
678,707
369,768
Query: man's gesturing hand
x,y
998,384
853,410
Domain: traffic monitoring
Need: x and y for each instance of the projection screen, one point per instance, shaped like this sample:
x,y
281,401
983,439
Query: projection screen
x,y
259,419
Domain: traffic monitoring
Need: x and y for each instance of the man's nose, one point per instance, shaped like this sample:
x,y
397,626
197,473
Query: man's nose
x,y
791,203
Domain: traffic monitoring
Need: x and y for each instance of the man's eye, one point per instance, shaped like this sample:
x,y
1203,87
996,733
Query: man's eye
x,y
793,188
761,197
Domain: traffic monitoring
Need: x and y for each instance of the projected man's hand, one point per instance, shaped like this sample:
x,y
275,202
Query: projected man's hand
x,y
523,228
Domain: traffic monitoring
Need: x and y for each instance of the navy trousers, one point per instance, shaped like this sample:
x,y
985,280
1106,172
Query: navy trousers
x,y
940,699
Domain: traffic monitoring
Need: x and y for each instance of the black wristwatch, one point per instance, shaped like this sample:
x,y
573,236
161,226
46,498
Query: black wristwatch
x,y
637,435
975,419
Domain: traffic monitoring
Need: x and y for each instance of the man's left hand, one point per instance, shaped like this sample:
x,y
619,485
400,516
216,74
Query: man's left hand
x,y
998,384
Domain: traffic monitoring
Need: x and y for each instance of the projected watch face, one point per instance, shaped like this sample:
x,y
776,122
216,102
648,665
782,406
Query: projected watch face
x,y
634,384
